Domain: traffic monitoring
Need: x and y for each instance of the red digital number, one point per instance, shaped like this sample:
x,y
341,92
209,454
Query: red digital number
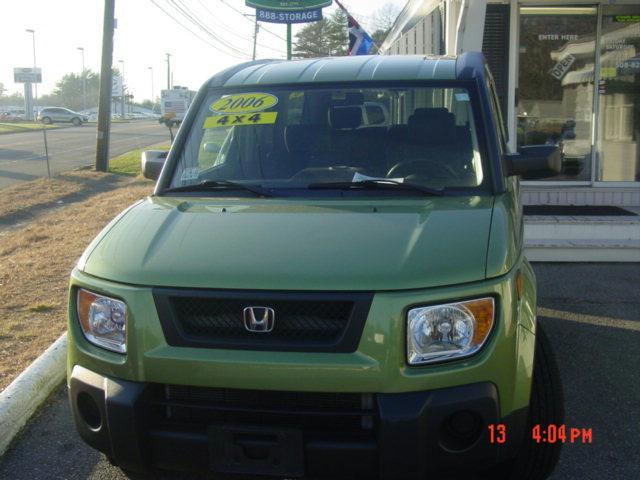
x,y
497,433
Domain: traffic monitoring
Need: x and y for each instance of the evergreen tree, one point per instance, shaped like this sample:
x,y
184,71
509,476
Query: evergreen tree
x,y
326,38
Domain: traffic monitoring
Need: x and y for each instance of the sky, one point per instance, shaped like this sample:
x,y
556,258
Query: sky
x,y
143,35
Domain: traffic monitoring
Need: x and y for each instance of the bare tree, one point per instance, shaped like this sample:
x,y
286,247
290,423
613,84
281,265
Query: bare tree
x,y
385,16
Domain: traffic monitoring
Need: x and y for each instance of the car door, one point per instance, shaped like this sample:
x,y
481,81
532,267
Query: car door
x,y
54,113
65,115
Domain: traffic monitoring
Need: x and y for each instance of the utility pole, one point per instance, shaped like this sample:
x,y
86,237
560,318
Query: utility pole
x,y
122,98
255,37
168,71
255,33
153,96
31,104
84,81
289,53
104,110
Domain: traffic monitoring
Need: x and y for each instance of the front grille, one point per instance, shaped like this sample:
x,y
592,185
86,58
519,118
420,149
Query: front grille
x,y
222,318
303,322
198,407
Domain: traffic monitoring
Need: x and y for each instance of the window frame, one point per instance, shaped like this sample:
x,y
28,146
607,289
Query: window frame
x,y
491,171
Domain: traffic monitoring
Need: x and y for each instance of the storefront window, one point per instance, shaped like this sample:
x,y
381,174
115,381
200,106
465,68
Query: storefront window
x,y
555,104
619,89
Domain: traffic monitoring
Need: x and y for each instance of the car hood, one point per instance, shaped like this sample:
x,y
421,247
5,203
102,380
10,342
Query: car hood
x,y
295,245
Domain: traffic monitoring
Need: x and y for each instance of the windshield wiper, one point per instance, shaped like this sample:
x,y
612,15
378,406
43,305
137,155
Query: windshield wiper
x,y
381,183
208,185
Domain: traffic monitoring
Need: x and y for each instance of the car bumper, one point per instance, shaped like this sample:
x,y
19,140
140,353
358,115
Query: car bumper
x,y
412,435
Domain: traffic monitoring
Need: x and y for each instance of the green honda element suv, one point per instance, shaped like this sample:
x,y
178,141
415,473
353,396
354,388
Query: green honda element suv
x,y
328,282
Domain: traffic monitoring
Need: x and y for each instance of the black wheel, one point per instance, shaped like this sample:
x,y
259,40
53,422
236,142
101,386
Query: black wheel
x,y
46,120
536,461
76,121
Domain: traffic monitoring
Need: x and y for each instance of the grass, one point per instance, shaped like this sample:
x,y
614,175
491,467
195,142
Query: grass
x,y
41,308
37,256
26,199
129,163
6,127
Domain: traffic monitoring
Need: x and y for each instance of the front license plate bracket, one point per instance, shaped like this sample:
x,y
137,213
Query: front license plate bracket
x,y
256,450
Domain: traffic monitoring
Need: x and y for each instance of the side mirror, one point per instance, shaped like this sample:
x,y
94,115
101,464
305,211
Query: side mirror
x,y
211,147
152,162
535,161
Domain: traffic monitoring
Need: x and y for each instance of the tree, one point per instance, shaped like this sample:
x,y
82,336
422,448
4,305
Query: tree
x,y
2,89
15,99
69,90
326,38
383,21
146,104
385,17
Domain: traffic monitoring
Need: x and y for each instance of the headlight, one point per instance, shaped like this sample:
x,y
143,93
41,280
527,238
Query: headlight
x,y
444,332
103,321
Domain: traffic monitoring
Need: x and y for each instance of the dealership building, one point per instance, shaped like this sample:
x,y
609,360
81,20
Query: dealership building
x,y
567,73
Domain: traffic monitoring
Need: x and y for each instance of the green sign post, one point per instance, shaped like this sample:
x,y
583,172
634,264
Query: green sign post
x,y
289,12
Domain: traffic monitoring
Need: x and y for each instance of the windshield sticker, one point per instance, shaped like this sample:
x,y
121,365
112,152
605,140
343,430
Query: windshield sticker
x,y
244,103
462,97
358,177
221,121
190,174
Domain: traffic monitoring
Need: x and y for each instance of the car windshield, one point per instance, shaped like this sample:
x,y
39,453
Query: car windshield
x,y
309,139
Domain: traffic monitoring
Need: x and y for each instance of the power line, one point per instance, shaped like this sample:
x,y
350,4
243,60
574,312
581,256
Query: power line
x,y
266,30
223,27
184,10
217,47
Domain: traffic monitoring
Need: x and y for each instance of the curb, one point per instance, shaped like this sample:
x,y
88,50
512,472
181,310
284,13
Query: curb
x,y
22,398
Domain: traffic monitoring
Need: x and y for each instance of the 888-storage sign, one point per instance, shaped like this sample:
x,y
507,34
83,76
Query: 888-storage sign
x,y
288,11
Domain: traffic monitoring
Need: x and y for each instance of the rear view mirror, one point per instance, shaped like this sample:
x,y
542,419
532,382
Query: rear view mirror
x,y
535,161
152,162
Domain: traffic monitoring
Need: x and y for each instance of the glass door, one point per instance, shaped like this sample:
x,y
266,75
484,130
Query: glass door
x,y
556,84
619,91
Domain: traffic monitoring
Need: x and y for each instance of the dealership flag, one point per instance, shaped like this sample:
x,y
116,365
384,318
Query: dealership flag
x,y
360,43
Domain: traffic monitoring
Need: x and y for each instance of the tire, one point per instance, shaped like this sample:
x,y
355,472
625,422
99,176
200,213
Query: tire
x,y
46,121
76,121
536,461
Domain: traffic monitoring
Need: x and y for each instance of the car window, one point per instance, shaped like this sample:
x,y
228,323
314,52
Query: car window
x,y
294,138
375,115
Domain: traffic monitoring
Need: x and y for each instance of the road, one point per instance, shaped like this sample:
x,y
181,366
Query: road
x,y
592,315
22,154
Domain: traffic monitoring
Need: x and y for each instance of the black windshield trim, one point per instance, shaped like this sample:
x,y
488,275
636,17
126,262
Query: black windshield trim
x,y
381,184
221,185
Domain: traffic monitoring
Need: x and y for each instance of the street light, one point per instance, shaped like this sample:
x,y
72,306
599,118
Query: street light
x,y
168,71
122,99
84,81
33,38
153,97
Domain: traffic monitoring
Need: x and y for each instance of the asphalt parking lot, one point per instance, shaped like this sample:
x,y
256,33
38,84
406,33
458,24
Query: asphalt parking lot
x,y
22,154
592,315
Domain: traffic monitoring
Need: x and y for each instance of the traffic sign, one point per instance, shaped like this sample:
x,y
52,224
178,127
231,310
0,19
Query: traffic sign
x,y
116,86
27,75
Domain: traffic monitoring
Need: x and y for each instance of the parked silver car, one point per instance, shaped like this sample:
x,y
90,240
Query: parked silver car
x,y
60,114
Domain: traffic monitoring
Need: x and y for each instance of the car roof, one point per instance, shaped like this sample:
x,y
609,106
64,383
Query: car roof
x,y
351,69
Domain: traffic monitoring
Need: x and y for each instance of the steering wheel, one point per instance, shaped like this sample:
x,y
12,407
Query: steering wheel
x,y
421,167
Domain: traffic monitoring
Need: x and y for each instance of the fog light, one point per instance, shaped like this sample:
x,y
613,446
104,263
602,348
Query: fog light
x,y
460,431
89,411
